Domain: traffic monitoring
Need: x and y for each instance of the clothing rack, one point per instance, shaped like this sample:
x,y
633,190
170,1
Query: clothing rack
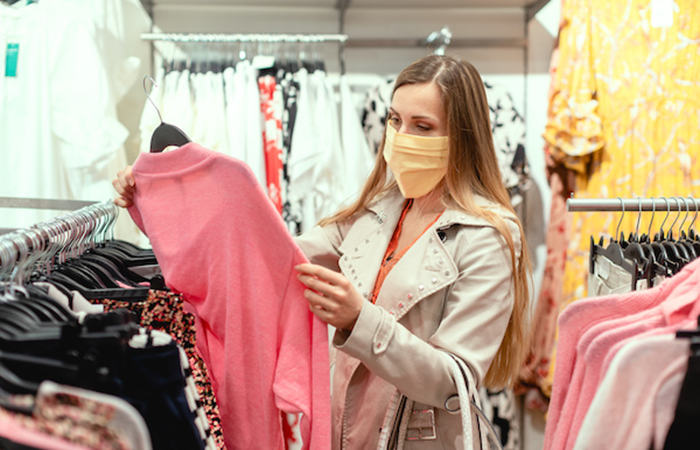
x,y
685,204
40,203
342,38
257,37
72,233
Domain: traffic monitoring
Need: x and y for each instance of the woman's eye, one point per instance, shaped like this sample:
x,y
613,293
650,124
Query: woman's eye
x,y
423,128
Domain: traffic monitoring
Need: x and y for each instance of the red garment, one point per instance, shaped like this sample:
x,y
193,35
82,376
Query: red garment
x,y
272,109
391,258
220,242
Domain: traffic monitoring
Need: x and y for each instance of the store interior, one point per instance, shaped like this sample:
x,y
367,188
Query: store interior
x,y
589,101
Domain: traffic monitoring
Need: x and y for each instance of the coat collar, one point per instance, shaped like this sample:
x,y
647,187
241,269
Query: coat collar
x,y
393,201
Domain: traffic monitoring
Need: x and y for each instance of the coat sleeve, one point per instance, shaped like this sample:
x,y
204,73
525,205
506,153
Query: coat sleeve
x,y
477,311
321,245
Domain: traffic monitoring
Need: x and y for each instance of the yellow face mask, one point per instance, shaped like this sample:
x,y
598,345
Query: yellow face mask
x,y
417,162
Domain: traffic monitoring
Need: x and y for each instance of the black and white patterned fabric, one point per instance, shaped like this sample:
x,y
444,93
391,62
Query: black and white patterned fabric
x,y
290,89
507,127
375,111
502,411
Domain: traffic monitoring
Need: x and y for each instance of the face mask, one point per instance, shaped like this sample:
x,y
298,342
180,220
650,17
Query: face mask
x,y
418,163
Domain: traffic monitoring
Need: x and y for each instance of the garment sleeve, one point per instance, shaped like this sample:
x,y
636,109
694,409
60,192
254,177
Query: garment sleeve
x,y
477,310
320,244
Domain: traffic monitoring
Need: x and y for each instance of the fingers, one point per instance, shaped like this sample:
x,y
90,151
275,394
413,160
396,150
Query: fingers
x,y
320,272
125,185
321,286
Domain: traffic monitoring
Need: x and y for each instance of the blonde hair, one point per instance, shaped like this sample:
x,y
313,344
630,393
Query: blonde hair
x,y
473,170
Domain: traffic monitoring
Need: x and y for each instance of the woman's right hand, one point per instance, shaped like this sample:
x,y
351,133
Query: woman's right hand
x,y
125,185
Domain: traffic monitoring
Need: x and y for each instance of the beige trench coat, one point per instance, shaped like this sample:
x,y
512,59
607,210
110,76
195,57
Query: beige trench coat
x,y
451,293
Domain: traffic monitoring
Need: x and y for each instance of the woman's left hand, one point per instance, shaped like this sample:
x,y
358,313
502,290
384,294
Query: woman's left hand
x,y
332,298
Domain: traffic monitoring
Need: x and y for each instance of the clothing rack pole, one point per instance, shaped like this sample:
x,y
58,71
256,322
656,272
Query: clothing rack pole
x,y
660,204
259,37
87,219
349,42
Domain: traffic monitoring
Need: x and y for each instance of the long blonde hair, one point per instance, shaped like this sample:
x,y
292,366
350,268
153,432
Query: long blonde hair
x,y
473,170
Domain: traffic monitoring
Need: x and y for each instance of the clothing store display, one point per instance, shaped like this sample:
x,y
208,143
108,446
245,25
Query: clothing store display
x,y
592,332
286,365
649,149
644,365
271,106
75,135
164,311
417,162
406,313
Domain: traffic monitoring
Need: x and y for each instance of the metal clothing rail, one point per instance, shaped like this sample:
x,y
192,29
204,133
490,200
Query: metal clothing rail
x,y
75,231
42,203
258,37
659,204
342,38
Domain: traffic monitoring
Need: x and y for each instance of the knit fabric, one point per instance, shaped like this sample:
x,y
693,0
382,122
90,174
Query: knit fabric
x,y
222,244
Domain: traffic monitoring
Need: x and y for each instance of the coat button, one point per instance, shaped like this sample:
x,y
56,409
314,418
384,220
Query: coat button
x,y
447,273
442,261
379,344
352,271
435,250
434,280
357,249
365,295
421,287
392,313
366,241
409,296
430,240
401,304
359,284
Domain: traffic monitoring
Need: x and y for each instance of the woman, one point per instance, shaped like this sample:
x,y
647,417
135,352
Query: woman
x,y
428,264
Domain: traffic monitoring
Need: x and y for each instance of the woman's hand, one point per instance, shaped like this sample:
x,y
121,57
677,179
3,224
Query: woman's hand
x,y
125,186
332,298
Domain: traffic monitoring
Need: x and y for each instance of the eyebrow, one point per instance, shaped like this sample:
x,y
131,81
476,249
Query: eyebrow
x,y
412,117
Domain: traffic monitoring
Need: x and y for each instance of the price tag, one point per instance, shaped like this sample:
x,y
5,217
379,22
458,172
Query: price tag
x,y
662,13
11,56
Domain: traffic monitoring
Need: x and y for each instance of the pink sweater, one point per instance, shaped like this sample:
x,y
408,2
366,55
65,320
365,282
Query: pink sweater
x,y
220,242
574,322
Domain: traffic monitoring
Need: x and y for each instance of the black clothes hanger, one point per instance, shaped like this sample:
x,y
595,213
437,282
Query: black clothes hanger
x,y
614,252
165,135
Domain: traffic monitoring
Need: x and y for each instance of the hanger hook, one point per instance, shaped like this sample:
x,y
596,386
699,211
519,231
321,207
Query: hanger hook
x,y
622,203
653,213
639,218
668,212
149,97
670,232
690,227
687,213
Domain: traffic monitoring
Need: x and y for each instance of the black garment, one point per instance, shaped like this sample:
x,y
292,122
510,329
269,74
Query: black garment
x,y
153,383
683,431
7,444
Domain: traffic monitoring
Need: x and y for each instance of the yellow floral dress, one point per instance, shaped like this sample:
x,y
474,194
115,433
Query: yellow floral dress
x,y
624,114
